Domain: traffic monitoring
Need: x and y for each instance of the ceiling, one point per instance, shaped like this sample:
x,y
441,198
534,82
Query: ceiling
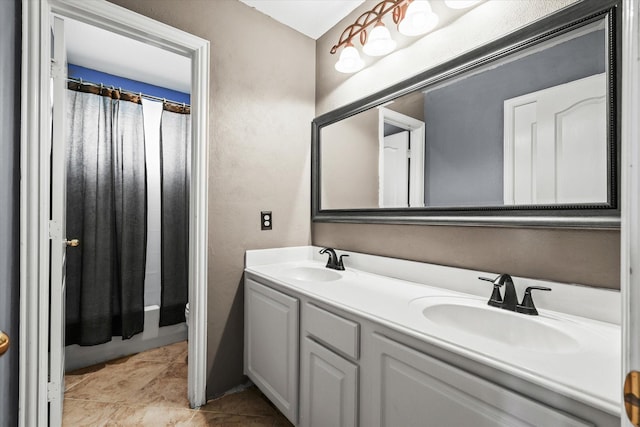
x,y
312,18
111,53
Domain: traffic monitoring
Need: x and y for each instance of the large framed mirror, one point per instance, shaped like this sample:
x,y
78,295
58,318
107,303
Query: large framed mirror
x,y
520,132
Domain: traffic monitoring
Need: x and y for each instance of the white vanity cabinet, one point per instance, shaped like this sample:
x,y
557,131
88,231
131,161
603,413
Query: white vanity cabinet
x,y
358,370
328,370
411,388
271,345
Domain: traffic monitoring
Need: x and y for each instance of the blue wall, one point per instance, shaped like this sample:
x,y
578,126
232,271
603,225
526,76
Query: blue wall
x,y
464,130
93,76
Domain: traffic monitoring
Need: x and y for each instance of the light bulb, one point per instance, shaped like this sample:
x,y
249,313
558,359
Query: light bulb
x,y
460,4
418,19
379,42
349,61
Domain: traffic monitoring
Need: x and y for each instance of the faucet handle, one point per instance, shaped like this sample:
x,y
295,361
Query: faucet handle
x,y
494,281
340,263
496,298
527,306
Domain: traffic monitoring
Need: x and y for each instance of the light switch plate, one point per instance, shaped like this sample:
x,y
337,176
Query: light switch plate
x,y
266,220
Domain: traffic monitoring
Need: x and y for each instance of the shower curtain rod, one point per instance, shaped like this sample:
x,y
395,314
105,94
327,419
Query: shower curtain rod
x,y
100,85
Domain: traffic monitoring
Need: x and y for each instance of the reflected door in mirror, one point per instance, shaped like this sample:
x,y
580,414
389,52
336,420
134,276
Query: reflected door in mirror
x,y
395,189
556,146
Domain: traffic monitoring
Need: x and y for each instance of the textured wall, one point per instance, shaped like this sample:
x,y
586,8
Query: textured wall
x,y
10,205
354,141
261,106
571,256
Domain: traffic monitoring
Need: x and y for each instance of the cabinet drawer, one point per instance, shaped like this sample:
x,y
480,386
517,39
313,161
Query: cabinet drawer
x,y
340,334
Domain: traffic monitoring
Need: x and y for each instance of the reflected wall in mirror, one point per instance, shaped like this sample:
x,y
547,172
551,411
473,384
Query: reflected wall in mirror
x,y
528,130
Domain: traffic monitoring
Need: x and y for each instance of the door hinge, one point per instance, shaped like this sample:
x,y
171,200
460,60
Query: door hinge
x,y
54,230
408,154
53,391
57,69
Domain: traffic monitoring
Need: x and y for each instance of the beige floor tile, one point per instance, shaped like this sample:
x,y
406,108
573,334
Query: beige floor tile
x,y
117,382
164,391
177,370
78,413
150,416
73,378
150,389
171,353
230,420
282,421
248,402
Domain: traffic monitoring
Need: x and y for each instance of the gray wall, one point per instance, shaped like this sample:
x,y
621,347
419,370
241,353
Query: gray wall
x,y
261,104
9,204
350,142
464,130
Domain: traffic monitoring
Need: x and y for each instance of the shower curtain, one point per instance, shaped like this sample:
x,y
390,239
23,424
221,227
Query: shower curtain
x,y
106,211
175,138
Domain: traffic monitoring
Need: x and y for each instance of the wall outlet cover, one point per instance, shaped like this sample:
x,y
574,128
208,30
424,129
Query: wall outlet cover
x,y
266,220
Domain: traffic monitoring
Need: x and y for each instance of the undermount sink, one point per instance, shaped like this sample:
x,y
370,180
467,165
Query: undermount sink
x,y
312,274
475,317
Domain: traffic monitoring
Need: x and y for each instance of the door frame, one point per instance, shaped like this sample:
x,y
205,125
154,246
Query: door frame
x,y
416,130
630,193
35,136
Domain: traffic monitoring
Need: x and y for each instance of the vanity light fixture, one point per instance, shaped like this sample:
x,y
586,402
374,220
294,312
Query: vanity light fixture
x,y
379,42
350,61
413,17
418,19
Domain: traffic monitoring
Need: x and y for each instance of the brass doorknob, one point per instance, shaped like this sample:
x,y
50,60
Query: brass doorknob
x,y
4,343
73,243
632,397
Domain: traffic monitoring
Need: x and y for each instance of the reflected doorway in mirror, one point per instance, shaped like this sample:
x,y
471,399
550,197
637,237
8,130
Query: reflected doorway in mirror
x,y
401,163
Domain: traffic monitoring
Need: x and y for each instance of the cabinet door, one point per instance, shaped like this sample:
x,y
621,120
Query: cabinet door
x,y
329,387
271,345
413,389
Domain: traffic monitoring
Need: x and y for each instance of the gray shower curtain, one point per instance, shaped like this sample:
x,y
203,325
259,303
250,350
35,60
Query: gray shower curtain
x,y
175,141
106,211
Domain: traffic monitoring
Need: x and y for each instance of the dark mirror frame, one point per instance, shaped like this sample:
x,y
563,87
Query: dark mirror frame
x,y
571,216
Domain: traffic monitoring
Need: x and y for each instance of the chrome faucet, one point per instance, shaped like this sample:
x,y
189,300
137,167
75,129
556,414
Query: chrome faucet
x,y
510,301
333,262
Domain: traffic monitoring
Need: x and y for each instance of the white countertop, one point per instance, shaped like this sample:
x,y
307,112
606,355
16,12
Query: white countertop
x,y
589,372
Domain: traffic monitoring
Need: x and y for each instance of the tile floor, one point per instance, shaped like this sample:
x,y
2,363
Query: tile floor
x,y
150,389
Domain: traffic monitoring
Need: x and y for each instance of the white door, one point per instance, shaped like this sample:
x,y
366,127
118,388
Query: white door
x,y
57,227
396,170
556,144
